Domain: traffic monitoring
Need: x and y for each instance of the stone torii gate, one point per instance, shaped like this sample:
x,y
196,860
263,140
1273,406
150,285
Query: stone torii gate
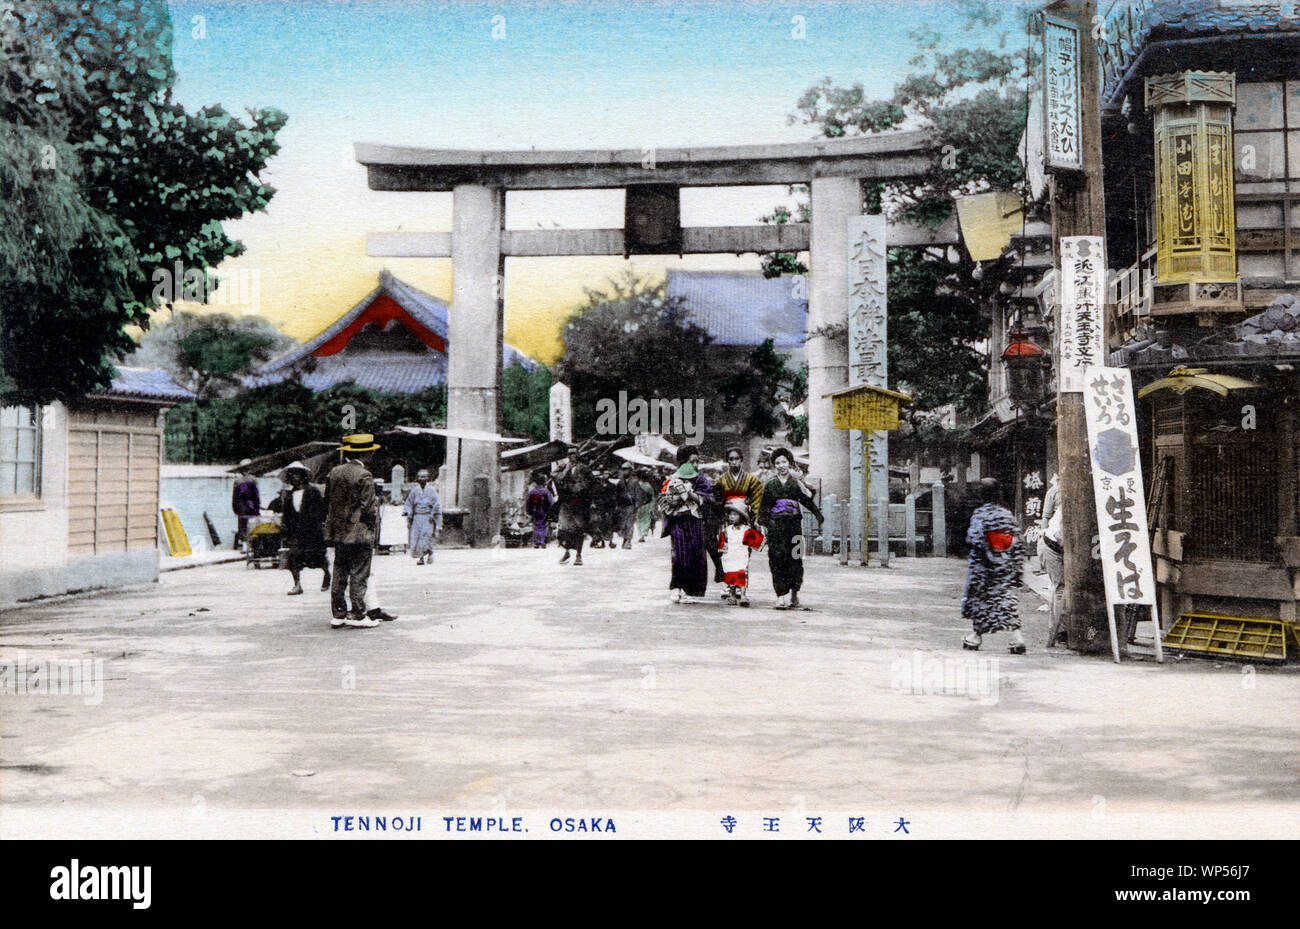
x,y
479,243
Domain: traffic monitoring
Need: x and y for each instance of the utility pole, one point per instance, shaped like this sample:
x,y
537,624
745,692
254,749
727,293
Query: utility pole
x,y
1079,208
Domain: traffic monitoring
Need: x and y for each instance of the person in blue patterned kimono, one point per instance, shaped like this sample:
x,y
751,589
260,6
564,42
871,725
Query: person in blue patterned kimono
x,y
996,564
423,512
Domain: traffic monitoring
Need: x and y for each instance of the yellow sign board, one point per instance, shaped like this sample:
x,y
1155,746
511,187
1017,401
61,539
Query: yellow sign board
x,y
868,408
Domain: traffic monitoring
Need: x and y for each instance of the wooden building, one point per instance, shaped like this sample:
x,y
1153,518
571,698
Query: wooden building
x,y
1201,158
79,488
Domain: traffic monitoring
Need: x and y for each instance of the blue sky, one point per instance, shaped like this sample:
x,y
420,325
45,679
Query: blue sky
x,y
508,75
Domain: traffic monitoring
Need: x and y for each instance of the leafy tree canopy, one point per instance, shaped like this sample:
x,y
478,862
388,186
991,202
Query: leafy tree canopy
x,y
526,401
207,352
632,337
269,419
973,99
104,182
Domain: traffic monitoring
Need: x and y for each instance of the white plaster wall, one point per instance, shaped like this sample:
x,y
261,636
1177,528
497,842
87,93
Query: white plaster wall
x,y
34,535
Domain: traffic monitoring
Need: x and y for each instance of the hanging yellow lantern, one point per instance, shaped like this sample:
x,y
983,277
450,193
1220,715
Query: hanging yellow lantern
x,y
1195,216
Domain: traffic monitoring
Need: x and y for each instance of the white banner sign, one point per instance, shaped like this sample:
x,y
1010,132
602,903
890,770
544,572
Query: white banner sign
x,y
1117,483
1061,102
1083,309
561,413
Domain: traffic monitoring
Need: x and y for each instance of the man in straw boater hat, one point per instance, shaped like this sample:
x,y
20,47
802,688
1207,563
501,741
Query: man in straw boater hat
x,y
350,524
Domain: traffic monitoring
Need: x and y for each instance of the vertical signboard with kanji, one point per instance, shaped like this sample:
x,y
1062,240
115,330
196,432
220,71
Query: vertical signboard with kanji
x,y
867,359
561,413
1117,485
1061,99
1083,309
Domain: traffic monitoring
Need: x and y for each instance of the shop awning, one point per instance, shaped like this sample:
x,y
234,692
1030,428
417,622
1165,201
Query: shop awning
x,y
467,435
631,454
1180,380
532,456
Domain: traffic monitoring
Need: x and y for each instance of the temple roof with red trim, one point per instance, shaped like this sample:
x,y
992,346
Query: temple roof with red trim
x,y
394,341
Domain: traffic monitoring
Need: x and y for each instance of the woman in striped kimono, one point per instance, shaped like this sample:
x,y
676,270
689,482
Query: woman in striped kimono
x,y
995,571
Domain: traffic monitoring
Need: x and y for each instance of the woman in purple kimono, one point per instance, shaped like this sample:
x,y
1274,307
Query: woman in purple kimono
x,y
681,507
538,507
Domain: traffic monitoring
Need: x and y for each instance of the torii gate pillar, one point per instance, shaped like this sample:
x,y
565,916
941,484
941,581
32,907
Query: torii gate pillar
x,y
474,327
834,200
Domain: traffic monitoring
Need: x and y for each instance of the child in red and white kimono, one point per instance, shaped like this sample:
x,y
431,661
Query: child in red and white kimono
x,y
736,542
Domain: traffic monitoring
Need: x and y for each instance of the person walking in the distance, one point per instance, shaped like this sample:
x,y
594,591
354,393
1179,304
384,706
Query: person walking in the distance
x,y
423,512
350,527
645,512
244,501
627,498
538,507
995,564
302,524
573,495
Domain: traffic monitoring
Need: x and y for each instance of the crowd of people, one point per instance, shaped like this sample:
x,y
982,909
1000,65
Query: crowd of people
x,y
712,524
719,523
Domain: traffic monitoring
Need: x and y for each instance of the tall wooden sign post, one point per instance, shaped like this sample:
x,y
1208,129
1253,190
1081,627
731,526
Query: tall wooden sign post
x,y
1078,209
868,364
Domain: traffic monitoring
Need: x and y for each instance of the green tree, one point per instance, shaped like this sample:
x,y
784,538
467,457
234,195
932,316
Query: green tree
x,y
754,390
104,182
973,100
208,352
632,336
526,401
279,416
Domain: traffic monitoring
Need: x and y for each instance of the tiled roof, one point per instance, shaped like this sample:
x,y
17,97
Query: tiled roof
x,y
425,309
387,372
146,384
1272,334
1211,17
1133,24
743,307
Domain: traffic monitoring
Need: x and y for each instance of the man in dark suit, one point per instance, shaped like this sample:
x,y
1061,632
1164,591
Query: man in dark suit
x,y
302,510
352,516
